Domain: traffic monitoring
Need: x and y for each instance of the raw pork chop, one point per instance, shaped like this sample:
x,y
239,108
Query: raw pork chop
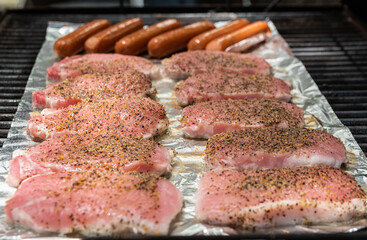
x,y
133,116
186,64
99,62
74,152
95,203
230,85
277,197
202,120
93,88
262,148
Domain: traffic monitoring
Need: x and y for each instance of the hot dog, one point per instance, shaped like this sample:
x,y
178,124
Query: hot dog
x,y
175,40
74,42
199,42
221,43
105,40
136,43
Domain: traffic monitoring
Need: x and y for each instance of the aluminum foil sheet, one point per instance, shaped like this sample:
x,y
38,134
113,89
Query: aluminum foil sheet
x,y
189,164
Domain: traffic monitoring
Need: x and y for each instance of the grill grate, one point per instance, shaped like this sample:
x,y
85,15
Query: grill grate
x,y
336,58
332,47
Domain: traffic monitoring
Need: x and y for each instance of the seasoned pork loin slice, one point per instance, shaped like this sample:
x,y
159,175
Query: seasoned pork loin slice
x,y
203,120
186,64
99,63
135,116
217,85
95,203
265,198
75,152
263,148
93,87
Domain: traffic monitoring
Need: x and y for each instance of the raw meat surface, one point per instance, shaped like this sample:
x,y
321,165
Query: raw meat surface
x,y
263,148
95,203
94,87
218,85
99,62
135,116
203,120
74,152
186,64
277,197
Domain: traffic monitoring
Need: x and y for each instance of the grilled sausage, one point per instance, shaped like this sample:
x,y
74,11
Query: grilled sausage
x,y
74,42
175,40
199,42
136,43
221,43
105,40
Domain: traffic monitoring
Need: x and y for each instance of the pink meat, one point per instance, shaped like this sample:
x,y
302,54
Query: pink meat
x,y
97,62
277,197
263,148
73,152
203,120
186,64
95,203
133,116
218,85
93,88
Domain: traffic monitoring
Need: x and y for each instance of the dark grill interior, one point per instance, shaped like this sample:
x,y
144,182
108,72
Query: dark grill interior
x,y
332,47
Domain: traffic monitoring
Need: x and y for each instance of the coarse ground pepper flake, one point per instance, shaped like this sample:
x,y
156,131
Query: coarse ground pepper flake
x,y
102,85
265,112
114,63
211,61
322,183
130,116
271,140
113,151
273,197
